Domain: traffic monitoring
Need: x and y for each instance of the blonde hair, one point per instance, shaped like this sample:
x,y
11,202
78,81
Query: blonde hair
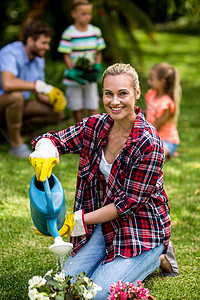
x,y
118,69
172,83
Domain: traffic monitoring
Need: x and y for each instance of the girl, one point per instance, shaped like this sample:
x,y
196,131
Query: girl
x,y
163,104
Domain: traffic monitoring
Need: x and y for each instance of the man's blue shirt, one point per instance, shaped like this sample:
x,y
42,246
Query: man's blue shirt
x,y
13,59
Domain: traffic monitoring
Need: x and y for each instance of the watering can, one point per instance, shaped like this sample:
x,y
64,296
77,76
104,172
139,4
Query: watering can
x,y
47,204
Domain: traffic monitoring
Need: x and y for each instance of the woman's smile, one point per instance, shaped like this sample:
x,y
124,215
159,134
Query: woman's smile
x,y
116,109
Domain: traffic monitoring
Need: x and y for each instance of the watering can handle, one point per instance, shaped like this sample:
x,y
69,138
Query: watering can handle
x,y
47,190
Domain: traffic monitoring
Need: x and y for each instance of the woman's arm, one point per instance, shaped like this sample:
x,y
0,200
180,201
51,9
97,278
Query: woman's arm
x,y
101,215
66,141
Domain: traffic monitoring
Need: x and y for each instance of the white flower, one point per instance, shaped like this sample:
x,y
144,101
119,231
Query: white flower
x,y
48,273
42,297
36,281
86,279
60,277
96,288
90,284
88,294
54,295
32,293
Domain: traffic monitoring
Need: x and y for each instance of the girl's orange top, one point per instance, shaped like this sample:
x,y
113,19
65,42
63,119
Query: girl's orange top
x,y
155,109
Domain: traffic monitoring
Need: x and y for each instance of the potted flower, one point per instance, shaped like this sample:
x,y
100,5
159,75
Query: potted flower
x,y
127,290
87,65
60,287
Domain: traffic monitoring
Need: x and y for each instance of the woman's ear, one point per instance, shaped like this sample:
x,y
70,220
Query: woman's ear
x,y
138,93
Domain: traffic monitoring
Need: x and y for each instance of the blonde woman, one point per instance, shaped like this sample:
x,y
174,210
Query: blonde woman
x,y
122,217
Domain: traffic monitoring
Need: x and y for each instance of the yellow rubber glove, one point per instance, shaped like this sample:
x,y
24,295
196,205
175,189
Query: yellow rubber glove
x,y
43,166
66,229
68,226
57,99
74,225
39,233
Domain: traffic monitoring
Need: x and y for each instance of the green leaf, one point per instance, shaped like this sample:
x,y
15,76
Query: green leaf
x,y
60,297
68,297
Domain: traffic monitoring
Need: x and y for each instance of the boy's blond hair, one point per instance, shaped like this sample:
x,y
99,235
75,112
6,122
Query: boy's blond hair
x,y
77,3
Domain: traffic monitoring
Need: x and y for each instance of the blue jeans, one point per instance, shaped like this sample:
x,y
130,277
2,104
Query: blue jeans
x,y
171,148
91,255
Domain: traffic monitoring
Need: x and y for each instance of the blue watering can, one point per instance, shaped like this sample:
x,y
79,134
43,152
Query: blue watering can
x,y
47,204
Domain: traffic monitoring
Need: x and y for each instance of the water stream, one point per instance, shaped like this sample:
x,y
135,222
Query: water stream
x,y
60,262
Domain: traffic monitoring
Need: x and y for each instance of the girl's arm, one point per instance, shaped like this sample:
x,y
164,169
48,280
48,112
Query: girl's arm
x,y
163,119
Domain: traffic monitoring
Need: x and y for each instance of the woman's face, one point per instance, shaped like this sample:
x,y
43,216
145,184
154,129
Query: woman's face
x,y
119,96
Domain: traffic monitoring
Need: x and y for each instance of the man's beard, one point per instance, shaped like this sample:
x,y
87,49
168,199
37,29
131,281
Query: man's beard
x,y
36,52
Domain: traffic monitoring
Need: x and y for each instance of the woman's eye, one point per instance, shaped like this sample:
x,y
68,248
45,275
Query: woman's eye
x,y
108,93
123,94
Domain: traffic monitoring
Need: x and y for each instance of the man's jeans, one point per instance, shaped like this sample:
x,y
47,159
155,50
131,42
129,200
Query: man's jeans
x,y
91,255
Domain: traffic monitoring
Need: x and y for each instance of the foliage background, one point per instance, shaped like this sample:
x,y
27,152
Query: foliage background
x,y
112,16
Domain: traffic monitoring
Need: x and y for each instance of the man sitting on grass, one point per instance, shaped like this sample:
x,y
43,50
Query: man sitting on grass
x,y
22,72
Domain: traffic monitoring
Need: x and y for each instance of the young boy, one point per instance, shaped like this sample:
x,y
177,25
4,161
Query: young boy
x,y
80,40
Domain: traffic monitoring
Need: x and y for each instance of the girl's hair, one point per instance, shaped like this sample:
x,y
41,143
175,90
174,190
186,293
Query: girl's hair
x,y
118,69
172,83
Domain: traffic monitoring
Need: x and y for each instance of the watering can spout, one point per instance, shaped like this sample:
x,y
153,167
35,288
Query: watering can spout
x,y
48,211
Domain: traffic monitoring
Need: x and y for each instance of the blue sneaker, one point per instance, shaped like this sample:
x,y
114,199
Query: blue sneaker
x,y
21,151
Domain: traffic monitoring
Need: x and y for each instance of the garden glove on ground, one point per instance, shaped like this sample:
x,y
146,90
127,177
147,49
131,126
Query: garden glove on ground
x,y
44,158
56,96
75,74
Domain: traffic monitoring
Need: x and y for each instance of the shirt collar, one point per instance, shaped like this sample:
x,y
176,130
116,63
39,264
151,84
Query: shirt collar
x,y
137,129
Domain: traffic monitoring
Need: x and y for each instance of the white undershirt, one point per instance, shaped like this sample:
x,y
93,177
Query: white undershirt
x,y
105,167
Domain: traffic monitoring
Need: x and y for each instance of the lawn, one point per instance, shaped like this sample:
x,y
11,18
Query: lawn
x,y
24,254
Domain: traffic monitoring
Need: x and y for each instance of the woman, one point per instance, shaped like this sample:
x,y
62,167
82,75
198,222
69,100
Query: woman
x,y
119,188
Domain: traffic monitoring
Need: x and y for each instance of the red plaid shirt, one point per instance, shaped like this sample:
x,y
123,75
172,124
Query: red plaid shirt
x,y
135,184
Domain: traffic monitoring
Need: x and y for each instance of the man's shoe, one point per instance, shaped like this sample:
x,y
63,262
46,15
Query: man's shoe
x,y
21,151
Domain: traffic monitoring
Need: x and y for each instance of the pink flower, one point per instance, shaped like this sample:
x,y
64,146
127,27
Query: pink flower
x,y
121,291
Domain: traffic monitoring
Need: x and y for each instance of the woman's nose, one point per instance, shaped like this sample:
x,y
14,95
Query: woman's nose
x,y
115,99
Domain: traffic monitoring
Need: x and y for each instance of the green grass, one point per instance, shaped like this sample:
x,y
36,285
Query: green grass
x,y
23,254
